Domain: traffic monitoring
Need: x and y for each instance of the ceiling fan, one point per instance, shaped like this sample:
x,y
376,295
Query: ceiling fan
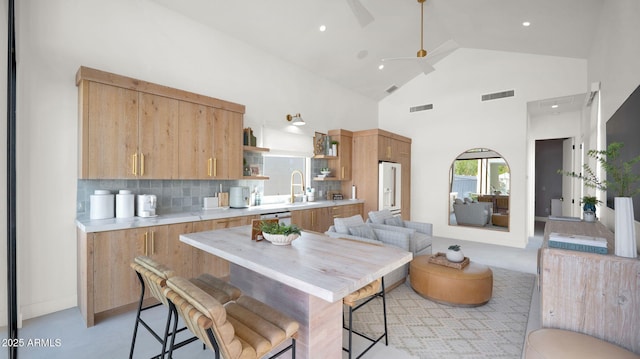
x,y
361,13
427,60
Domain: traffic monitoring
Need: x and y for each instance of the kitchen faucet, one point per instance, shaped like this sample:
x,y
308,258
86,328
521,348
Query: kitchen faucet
x,y
293,185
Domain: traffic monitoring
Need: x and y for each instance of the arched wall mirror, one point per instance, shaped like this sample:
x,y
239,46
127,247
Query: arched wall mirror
x,y
479,187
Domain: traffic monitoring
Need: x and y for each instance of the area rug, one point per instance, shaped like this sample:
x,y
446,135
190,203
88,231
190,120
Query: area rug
x,y
429,330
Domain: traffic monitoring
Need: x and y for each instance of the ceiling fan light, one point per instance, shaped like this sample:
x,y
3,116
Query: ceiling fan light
x,y
422,53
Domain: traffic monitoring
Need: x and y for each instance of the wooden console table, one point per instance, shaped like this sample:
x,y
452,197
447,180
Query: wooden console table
x,y
590,293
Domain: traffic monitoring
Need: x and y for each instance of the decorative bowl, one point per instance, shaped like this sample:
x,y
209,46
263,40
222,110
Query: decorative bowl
x,y
326,173
280,239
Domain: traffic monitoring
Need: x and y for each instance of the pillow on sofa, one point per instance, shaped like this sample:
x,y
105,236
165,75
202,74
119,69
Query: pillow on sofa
x,y
379,216
467,200
394,221
363,231
342,224
458,201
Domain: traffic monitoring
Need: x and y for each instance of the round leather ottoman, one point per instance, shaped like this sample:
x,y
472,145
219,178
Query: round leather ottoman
x,y
471,286
563,344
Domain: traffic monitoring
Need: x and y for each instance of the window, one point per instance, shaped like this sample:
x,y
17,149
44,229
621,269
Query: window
x,y
279,169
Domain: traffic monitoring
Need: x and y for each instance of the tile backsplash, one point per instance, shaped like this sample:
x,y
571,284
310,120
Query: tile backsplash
x,y
174,196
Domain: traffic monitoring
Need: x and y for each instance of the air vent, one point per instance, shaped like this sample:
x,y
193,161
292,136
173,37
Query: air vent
x,y
497,95
392,89
421,108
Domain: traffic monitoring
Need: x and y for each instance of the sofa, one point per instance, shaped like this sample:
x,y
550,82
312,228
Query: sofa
x,y
473,213
421,232
404,238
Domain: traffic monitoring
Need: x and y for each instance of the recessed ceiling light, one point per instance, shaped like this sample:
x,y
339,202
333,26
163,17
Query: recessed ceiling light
x,y
526,24
554,106
380,67
323,28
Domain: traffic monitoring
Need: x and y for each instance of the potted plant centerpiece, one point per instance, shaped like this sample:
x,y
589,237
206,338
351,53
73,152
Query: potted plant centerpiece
x,y
454,254
623,182
279,234
589,208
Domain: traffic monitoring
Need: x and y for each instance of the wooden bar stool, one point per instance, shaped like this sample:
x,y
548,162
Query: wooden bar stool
x,y
153,276
367,293
246,328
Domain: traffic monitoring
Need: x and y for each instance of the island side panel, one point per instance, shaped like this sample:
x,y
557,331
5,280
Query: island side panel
x,y
319,319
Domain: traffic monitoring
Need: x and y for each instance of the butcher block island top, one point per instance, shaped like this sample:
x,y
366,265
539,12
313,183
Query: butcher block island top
x,y
327,268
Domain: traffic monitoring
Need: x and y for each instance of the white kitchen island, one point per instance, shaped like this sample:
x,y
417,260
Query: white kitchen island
x,y
306,280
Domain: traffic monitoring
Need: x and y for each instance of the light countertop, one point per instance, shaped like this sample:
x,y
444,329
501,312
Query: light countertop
x,y
100,225
325,267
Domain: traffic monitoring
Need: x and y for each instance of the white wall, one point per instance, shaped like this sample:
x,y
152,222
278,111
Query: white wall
x,y
460,121
614,63
143,40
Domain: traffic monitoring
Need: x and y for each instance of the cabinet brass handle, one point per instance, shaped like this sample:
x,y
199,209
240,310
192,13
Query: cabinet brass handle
x,y
146,247
313,221
342,172
153,242
209,166
134,164
215,167
141,164
388,151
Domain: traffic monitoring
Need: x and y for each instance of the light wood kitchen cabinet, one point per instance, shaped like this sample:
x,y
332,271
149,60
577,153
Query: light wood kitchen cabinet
x,y
158,137
313,219
227,146
195,141
342,163
204,262
370,147
106,282
108,131
320,219
114,281
210,143
135,129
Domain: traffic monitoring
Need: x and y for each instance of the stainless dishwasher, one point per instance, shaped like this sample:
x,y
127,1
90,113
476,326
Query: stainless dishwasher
x,y
284,217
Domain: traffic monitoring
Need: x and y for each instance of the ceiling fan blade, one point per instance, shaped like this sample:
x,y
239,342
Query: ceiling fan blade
x,y
442,51
398,58
425,66
361,13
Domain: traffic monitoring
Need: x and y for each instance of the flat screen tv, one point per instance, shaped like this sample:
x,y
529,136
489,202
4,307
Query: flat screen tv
x,y
624,126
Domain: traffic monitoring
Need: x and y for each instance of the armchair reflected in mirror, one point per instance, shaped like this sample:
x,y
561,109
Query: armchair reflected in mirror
x,y
479,187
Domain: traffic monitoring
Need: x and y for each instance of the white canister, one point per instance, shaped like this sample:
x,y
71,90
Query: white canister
x,y
125,204
101,205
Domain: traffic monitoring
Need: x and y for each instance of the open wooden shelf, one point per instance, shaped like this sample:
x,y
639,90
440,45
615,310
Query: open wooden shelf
x,y
255,149
326,157
255,177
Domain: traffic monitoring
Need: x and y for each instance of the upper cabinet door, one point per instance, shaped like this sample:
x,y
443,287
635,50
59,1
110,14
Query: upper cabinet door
x,y
109,131
158,126
227,144
195,142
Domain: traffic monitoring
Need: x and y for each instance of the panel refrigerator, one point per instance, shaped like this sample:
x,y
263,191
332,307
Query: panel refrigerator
x,y
389,187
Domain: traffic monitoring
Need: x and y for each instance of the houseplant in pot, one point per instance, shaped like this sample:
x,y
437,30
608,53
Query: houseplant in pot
x,y
454,254
624,183
589,207
279,234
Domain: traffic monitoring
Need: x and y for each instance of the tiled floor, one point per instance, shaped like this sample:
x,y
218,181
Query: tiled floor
x,y
112,337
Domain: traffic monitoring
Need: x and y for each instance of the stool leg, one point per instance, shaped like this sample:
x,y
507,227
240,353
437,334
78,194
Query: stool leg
x,y
135,327
350,331
384,314
166,333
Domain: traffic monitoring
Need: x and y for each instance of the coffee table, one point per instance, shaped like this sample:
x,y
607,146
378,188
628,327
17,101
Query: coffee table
x,y
471,286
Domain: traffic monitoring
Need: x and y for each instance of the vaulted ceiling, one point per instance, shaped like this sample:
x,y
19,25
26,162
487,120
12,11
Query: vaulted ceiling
x,y
359,33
